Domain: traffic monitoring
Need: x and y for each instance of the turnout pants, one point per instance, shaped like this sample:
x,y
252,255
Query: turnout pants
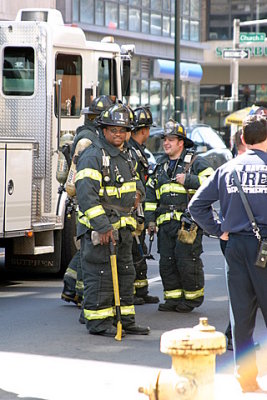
x,y
99,311
140,264
247,290
181,268
73,276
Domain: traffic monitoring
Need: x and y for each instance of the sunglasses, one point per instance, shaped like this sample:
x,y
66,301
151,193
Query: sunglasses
x,y
118,130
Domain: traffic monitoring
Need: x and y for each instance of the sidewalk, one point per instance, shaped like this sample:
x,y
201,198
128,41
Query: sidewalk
x,y
33,377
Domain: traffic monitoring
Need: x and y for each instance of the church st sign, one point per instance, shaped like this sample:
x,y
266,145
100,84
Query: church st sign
x,y
252,37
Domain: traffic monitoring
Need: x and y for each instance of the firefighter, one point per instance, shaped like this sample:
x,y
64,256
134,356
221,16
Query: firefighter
x,y
73,284
108,190
142,121
175,179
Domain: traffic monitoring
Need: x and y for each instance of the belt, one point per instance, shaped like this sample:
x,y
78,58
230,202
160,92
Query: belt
x,y
128,210
171,207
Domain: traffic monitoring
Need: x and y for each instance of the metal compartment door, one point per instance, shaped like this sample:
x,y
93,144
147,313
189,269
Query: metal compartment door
x,y
18,186
2,186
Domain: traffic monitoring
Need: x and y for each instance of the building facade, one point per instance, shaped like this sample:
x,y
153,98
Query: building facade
x,y
206,30
149,25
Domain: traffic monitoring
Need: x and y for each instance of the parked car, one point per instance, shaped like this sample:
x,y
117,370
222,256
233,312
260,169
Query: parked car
x,y
150,157
208,144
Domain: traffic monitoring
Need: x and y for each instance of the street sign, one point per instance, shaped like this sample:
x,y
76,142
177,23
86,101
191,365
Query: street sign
x,y
236,53
252,37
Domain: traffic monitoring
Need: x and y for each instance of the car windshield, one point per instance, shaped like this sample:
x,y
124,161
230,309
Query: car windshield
x,y
205,135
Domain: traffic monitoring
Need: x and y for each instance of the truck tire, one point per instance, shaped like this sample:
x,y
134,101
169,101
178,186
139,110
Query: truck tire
x,y
50,263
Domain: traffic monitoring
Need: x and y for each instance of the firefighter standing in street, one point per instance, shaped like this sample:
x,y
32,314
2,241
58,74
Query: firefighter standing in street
x,y
88,133
142,121
245,250
175,179
108,189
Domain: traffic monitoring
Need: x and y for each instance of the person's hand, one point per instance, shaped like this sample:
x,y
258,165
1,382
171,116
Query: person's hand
x,y
137,200
225,236
180,178
106,237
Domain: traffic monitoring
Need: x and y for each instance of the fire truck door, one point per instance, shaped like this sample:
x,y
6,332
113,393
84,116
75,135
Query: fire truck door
x,y
18,186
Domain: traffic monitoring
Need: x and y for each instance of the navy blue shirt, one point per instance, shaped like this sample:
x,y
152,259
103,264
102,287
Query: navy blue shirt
x,y
251,169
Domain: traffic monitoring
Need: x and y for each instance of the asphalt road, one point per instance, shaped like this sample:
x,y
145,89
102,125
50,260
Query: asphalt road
x,y
45,353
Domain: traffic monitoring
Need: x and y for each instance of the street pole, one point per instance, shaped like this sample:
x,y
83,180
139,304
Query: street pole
x,y
177,82
235,62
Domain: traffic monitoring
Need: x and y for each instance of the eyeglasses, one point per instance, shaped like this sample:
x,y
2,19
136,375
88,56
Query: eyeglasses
x,y
118,130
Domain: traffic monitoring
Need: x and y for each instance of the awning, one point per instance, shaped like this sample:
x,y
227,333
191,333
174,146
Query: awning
x,y
189,72
238,116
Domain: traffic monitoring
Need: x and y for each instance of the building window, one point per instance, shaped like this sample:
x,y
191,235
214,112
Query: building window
x,y
134,19
223,12
123,17
99,13
87,11
154,17
111,14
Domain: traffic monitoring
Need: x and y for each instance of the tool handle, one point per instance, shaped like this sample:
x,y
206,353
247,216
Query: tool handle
x,y
112,248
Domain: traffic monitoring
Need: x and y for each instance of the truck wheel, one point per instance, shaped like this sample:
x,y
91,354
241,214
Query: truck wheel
x,y
51,263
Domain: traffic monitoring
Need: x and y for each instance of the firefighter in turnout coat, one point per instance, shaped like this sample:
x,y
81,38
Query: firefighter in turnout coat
x,y
142,121
73,283
175,179
108,190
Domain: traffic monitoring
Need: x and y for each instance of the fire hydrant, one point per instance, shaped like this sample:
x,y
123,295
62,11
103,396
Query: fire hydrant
x,y
193,352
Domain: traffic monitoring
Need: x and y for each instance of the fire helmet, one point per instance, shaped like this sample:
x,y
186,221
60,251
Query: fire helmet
x,y
98,105
116,115
143,117
173,128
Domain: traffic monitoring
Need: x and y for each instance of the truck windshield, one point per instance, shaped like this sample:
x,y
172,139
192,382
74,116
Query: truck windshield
x,y
18,71
69,70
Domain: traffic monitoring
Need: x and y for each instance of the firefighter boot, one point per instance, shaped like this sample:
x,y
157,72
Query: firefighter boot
x,y
134,329
151,299
69,295
167,306
138,301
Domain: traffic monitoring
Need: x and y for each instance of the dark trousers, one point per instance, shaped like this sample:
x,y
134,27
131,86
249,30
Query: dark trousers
x,y
98,287
181,268
140,264
247,289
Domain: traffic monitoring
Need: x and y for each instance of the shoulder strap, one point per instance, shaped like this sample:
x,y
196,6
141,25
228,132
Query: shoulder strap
x,y
251,218
189,164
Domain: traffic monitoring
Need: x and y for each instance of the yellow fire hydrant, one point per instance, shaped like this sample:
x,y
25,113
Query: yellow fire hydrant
x,y
193,352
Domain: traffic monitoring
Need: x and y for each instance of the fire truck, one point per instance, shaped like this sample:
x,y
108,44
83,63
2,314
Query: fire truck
x,y
49,72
